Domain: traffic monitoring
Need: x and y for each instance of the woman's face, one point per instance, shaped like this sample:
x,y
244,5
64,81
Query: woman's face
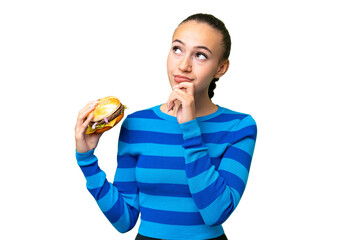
x,y
195,55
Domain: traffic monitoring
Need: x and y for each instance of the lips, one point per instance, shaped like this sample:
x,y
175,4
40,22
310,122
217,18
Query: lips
x,y
180,79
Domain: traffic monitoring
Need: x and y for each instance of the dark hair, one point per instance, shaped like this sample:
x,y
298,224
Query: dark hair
x,y
226,41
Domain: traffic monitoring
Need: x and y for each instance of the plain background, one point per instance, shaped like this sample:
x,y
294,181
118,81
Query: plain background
x,y
294,67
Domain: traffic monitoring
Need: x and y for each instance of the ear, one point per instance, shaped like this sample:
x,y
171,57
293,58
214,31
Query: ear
x,y
223,67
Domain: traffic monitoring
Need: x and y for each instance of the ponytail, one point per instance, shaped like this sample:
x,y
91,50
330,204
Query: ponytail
x,y
212,87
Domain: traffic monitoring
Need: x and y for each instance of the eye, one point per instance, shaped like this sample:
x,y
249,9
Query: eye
x,y
176,50
201,56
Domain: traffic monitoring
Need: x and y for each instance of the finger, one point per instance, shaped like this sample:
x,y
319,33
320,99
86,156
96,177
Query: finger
x,y
187,86
88,120
181,94
170,103
81,127
84,113
88,106
85,124
177,97
86,110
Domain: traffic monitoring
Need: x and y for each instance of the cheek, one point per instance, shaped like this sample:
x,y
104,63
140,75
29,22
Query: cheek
x,y
170,69
170,63
207,73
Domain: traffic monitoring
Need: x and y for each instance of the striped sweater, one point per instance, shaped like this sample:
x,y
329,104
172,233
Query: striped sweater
x,y
185,179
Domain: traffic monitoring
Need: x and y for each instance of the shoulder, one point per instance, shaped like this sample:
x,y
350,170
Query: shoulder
x,y
246,125
141,117
238,122
148,113
228,115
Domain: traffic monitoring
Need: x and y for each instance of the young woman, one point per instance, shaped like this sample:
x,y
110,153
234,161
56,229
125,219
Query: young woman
x,y
184,164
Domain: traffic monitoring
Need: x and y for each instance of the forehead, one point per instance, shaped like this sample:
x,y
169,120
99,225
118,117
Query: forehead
x,y
195,33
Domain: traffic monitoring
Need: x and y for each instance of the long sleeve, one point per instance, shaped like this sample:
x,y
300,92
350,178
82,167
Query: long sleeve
x,y
217,191
185,179
118,201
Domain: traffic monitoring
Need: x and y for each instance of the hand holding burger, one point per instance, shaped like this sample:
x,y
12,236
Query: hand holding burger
x,y
107,113
94,119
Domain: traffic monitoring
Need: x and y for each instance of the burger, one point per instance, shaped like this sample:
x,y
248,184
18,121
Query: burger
x,y
107,113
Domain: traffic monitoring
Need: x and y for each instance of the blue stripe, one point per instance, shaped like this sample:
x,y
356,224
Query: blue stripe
x,y
216,162
235,168
239,155
166,231
211,127
116,211
91,169
196,167
161,162
230,137
193,154
167,176
225,214
215,151
134,136
246,145
222,204
219,137
125,175
153,149
233,181
235,195
108,200
124,223
203,180
96,181
248,121
190,129
171,217
126,187
98,193
191,142
127,220
126,161
163,189
205,197
154,125
186,204
148,113
250,132
86,158
124,134
227,117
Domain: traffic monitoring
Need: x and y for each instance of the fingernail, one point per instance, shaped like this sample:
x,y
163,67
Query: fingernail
x,y
90,115
169,107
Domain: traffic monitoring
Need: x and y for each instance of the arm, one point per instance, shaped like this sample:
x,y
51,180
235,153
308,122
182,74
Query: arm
x,y
118,201
217,192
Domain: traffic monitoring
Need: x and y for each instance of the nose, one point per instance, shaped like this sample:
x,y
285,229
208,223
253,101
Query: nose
x,y
185,64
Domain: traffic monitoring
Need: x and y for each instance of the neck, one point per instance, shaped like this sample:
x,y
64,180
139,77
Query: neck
x,y
204,106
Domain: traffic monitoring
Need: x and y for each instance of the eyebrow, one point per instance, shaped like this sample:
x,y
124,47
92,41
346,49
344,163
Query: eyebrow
x,y
201,47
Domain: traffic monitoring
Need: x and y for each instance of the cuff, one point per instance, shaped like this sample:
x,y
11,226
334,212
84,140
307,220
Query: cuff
x,y
190,129
85,158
